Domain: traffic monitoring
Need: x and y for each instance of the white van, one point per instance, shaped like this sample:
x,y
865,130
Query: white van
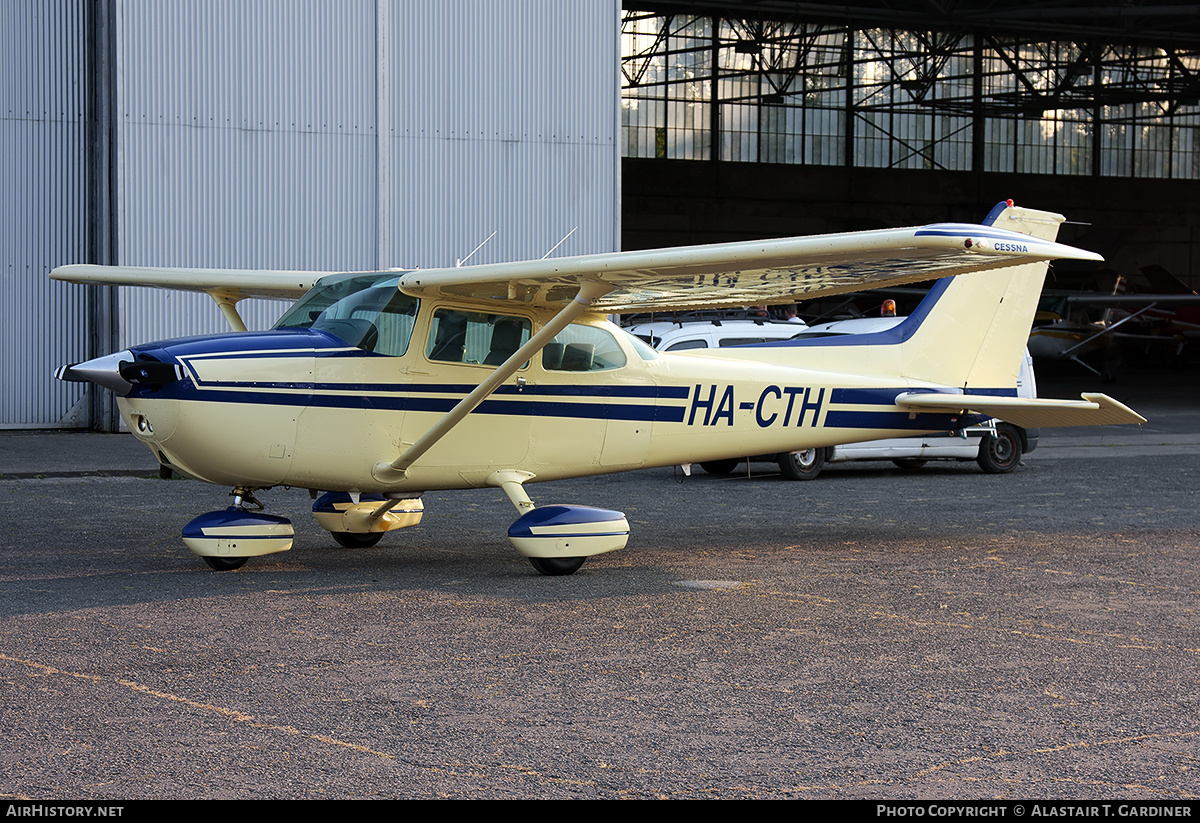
x,y
715,332
997,447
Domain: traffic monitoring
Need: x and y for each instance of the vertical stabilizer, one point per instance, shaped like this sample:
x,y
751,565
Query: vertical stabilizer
x,y
977,326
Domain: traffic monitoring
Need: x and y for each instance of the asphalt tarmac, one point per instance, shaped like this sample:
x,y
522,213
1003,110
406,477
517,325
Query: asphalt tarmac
x,y
869,634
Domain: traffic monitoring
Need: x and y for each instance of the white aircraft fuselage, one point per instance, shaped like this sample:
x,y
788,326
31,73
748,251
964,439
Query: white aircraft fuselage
x,y
298,407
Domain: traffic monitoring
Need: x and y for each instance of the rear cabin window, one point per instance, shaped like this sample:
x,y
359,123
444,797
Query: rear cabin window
x,y
741,341
683,345
583,348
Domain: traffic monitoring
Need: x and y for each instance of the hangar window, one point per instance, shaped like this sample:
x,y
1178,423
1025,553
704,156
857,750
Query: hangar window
x,y
839,91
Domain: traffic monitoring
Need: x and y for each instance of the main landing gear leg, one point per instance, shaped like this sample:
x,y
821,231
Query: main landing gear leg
x,y
357,521
244,499
558,539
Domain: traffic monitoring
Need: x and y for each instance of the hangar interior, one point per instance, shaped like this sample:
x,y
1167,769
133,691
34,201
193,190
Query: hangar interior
x,y
779,118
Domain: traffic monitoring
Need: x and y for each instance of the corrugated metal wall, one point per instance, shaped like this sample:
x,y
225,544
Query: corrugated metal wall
x,y
503,122
339,135
42,192
246,134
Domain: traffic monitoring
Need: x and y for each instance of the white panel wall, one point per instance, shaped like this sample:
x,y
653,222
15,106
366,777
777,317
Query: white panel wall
x,y
246,141
335,135
42,200
316,134
505,119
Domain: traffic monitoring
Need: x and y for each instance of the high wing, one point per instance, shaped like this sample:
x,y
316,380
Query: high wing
x,y
1029,413
690,277
230,283
748,273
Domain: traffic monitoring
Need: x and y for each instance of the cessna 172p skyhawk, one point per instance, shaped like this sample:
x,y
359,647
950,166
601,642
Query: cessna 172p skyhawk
x,y
376,387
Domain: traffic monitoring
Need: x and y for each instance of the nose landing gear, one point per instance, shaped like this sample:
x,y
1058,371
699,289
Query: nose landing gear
x,y
226,539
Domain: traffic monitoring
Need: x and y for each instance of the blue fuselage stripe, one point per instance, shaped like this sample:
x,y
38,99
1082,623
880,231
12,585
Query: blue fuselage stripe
x,y
533,406
645,403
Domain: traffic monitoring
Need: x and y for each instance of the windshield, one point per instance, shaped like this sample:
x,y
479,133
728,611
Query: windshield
x,y
367,311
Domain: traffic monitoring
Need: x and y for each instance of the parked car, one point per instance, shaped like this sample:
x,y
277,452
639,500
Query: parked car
x,y
997,447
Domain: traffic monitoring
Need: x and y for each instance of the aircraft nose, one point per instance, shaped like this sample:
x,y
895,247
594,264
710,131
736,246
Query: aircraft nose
x,y
120,372
103,371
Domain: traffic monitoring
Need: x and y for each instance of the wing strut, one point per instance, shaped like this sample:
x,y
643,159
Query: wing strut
x,y
396,470
228,306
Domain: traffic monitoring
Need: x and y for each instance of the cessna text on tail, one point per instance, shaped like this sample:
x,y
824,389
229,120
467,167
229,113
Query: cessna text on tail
x,y
376,387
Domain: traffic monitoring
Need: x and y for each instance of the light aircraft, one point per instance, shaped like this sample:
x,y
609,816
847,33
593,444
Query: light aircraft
x,y
376,387
1170,315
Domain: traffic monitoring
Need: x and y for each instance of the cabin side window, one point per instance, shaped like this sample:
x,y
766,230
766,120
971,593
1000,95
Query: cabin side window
x,y
583,348
477,338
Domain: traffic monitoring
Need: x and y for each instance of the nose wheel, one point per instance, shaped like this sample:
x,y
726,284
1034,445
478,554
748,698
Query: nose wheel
x,y
225,564
557,566
352,540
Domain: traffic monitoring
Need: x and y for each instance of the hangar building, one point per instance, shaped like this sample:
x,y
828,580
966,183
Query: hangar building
x,y
285,134
333,135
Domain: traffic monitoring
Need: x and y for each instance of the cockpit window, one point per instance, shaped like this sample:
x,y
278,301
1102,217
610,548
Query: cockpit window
x,y
366,311
457,336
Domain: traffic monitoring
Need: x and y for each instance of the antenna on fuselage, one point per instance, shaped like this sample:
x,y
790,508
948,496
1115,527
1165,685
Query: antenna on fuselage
x,y
458,263
559,243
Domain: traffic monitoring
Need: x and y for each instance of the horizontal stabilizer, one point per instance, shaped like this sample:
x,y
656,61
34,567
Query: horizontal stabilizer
x,y
1029,413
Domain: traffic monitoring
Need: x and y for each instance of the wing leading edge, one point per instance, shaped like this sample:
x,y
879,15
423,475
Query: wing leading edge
x,y
233,284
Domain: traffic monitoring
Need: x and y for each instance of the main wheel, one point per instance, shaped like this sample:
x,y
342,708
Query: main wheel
x,y
802,465
1000,453
557,566
909,464
720,466
225,564
355,540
